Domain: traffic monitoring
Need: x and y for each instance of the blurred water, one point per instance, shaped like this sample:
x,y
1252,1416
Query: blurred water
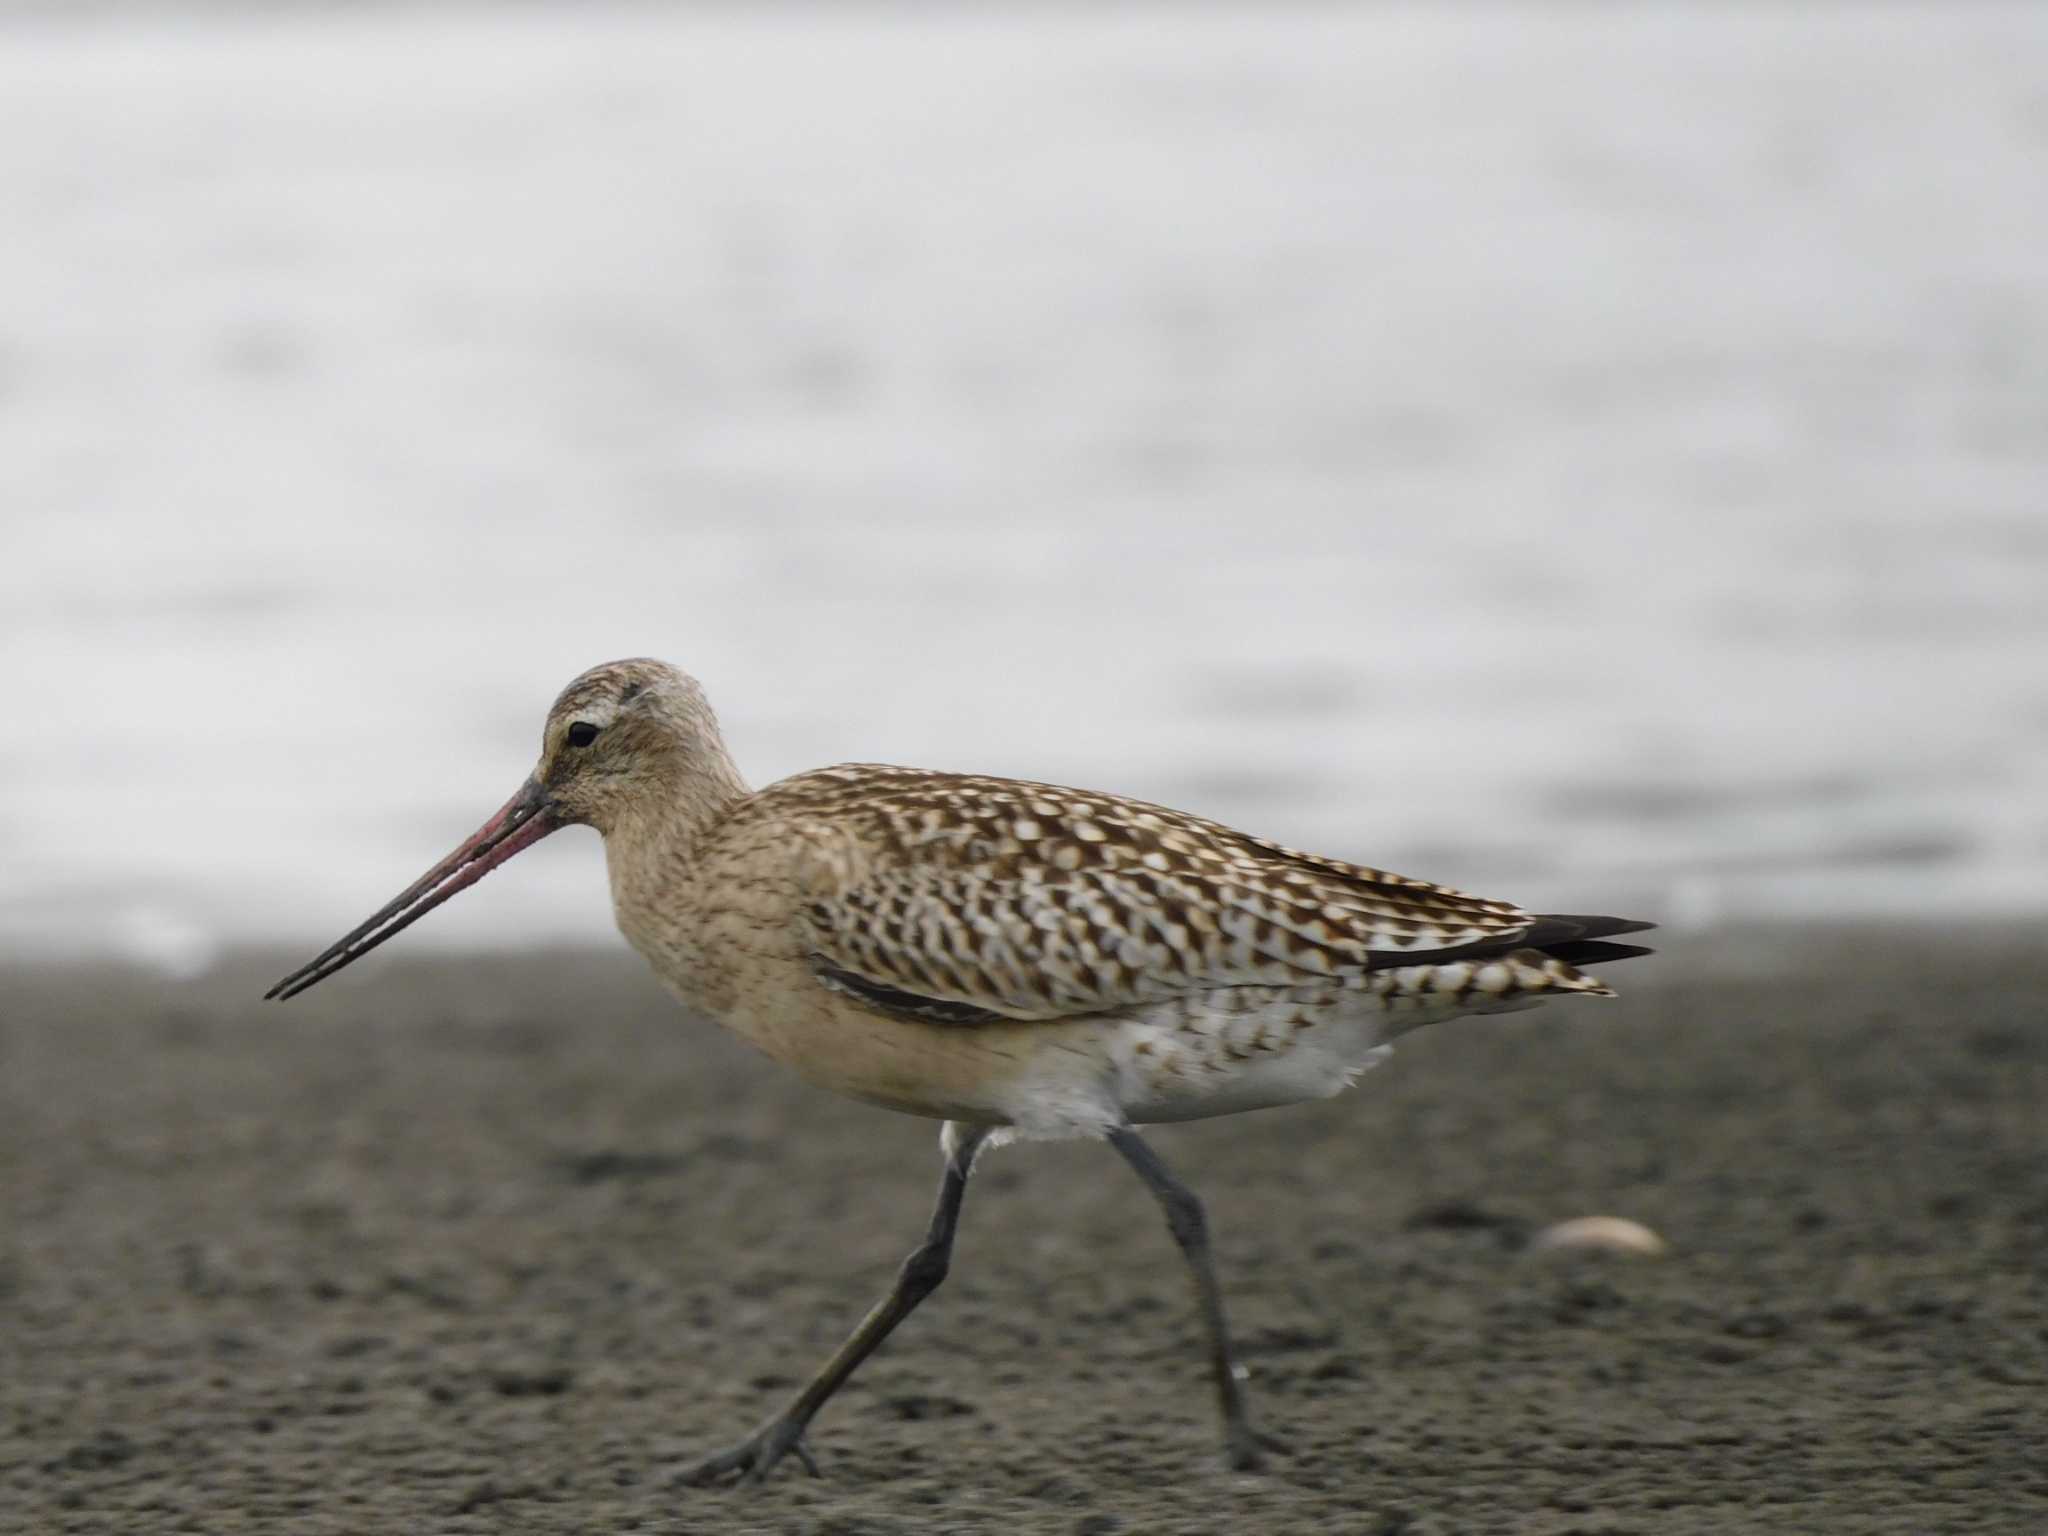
x,y
1592,455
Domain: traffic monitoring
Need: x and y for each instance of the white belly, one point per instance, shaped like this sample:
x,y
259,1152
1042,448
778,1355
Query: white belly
x,y
1213,1053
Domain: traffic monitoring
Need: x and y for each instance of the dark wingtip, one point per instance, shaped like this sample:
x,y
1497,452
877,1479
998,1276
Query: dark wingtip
x,y
1562,927
1572,939
1579,940
1584,952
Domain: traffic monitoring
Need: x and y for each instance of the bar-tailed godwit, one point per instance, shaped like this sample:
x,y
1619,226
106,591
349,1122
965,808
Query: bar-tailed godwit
x,y
1014,959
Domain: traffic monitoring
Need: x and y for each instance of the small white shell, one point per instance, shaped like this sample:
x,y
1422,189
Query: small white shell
x,y
1615,1234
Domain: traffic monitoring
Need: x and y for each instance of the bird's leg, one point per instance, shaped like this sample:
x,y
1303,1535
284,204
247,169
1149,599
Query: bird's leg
x,y
751,1460
1190,1227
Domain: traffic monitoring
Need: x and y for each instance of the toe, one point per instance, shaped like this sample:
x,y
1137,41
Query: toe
x,y
1247,1448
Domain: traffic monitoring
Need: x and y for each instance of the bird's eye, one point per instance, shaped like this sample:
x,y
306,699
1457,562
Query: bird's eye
x,y
582,734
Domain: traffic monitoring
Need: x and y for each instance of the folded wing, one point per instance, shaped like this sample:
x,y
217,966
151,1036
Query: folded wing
x,y
981,899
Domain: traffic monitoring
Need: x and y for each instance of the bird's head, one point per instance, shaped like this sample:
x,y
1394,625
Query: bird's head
x,y
627,737
618,737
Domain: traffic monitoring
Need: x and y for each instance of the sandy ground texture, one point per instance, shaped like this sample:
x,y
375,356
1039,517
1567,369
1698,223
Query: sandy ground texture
x,y
454,1246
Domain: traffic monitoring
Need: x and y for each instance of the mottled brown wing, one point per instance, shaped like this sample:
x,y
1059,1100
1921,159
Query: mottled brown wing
x,y
966,898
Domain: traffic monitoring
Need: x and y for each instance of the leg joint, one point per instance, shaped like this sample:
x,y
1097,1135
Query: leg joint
x,y
924,1270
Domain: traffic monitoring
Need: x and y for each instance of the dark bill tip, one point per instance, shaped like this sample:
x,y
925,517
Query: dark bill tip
x,y
519,823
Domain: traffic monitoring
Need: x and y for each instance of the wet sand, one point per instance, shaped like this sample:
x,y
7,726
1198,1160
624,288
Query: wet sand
x,y
449,1246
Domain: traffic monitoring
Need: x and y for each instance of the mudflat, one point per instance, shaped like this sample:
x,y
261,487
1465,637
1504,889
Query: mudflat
x,y
497,1244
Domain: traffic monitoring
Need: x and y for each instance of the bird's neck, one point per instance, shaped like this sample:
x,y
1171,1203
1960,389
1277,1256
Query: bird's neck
x,y
653,855
671,817
654,834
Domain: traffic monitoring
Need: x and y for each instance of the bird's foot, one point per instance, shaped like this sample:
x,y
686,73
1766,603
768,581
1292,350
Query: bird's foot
x,y
1246,1448
753,1458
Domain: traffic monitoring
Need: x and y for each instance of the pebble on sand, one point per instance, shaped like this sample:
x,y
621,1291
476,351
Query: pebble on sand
x,y
1614,1234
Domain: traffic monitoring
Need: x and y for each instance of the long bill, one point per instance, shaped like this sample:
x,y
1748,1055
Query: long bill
x,y
519,823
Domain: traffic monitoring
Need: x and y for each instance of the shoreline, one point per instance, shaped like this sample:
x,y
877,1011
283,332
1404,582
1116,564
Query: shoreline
x,y
472,1243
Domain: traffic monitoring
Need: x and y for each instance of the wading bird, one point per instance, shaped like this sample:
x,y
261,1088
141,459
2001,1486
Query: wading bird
x,y
1014,959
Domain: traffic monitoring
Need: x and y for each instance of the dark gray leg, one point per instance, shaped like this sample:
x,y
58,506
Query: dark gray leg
x,y
1190,1227
751,1460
